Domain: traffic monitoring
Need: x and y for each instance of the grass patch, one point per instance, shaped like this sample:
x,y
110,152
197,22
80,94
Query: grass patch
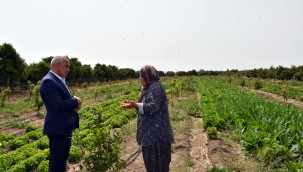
x,y
180,126
16,107
190,161
130,128
180,120
176,115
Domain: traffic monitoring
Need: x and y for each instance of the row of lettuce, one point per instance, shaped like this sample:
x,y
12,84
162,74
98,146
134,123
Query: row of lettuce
x,y
31,151
270,131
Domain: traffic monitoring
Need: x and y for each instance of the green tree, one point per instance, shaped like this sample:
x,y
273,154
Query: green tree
x,y
47,59
181,73
299,74
126,73
111,72
87,73
36,71
100,72
192,73
170,73
75,75
161,73
12,66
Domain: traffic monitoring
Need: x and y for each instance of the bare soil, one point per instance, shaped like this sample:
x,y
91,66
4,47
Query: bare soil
x,y
16,95
194,152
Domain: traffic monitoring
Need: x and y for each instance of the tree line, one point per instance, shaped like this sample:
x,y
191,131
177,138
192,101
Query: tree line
x,y
14,70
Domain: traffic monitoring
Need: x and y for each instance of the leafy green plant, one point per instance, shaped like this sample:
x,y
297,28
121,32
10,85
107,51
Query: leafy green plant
x,y
35,135
30,87
258,84
43,166
100,148
42,143
30,128
3,96
17,167
16,143
75,154
38,103
212,132
243,83
294,166
6,137
190,161
194,110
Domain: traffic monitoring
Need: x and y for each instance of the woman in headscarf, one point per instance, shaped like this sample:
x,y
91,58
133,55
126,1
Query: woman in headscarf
x,y
154,130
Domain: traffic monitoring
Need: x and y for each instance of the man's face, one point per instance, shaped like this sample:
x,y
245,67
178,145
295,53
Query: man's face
x,y
63,68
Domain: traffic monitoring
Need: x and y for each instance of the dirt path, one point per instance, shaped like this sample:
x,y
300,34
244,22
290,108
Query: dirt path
x,y
180,150
274,97
194,152
199,149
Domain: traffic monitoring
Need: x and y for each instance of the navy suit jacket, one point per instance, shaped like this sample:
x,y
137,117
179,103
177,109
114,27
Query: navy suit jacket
x,y
61,118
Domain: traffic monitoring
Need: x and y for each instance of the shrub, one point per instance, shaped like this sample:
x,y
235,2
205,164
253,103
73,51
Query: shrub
x,y
258,85
102,148
3,96
243,83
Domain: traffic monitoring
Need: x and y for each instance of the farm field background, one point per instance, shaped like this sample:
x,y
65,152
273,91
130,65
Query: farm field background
x,y
220,123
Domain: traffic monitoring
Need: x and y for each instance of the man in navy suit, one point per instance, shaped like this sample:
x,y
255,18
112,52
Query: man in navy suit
x,y
61,116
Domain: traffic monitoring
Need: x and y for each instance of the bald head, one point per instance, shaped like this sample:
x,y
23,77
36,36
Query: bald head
x,y
58,59
60,65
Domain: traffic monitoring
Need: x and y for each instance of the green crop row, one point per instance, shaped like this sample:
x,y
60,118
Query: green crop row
x,y
271,131
30,151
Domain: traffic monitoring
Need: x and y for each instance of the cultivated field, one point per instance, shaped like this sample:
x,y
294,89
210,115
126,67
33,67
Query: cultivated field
x,y
219,123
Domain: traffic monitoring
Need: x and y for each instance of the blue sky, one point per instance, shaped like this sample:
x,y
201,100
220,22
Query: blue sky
x,y
172,35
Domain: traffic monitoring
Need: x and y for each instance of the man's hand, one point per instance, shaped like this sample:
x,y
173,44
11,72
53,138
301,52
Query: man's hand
x,y
79,103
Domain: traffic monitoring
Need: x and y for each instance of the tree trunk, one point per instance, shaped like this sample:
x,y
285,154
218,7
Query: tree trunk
x,y
7,82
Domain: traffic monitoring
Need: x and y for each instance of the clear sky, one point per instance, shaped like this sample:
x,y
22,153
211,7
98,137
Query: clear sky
x,y
172,35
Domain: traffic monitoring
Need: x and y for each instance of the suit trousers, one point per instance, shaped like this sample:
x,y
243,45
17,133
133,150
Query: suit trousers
x,y
59,151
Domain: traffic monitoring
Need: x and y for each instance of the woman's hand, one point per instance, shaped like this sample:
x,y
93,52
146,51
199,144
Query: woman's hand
x,y
128,104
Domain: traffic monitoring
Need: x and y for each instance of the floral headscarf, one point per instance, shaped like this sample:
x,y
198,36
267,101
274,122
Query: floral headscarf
x,y
149,74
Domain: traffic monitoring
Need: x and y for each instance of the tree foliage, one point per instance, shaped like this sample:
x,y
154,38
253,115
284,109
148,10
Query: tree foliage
x,y
12,66
14,69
